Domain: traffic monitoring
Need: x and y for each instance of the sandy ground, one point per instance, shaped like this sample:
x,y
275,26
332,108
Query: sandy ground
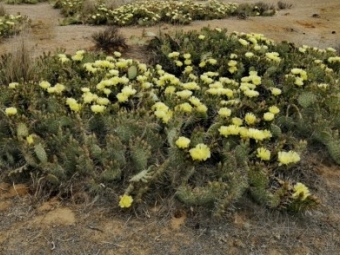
x,y
295,25
30,226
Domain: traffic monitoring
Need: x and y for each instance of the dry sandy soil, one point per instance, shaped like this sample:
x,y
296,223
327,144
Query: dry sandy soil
x,y
295,25
56,226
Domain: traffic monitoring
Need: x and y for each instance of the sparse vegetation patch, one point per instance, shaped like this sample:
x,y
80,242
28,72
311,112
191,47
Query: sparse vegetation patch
x,y
10,24
147,13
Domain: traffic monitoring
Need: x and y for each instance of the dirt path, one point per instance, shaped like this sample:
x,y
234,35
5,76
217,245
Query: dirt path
x,y
92,227
296,25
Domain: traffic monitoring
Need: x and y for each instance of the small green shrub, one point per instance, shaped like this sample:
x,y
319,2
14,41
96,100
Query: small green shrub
x,y
11,24
2,10
109,40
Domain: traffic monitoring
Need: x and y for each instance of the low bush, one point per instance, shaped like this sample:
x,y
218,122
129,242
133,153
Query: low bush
x,y
214,117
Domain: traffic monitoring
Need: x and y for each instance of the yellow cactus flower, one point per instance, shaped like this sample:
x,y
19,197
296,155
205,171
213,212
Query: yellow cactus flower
x,y
85,90
188,69
44,84
274,56
202,108
160,106
51,90
185,107
89,97
184,94
170,90
289,157
237,121
249,54
194,101
73,104
174,54
298,81
107,92
256,80
258,135
129,91
263,153
250,118
10,111
244,132
80,52
122,97
274,109
64,59
232,63
300,191
212,61
276,91
59,88
229,130
190,85
296,71
179,63
117,54
13,85
243,42
30,139
251,93
96,108
187,55
224,112
268,116
202,64
200,153
102,101
182,142
187,62
125,201
77,57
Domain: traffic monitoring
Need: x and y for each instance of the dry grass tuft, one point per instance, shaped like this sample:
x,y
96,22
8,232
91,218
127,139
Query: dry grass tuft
x,y
18,65
283,5
110,40
2,10
88,7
